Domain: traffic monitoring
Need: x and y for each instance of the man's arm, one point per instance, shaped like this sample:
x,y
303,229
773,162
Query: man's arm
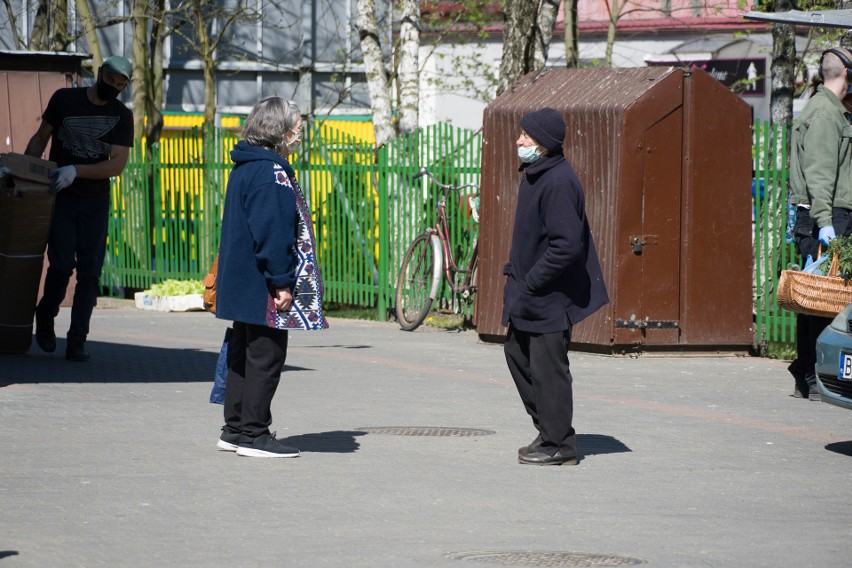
x,y
38,142
820,166
108,168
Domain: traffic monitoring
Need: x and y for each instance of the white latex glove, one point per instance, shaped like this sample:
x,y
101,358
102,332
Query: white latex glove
x,y
62,178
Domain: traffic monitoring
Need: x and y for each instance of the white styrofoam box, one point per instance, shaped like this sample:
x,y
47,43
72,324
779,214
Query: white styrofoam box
x,y
187,303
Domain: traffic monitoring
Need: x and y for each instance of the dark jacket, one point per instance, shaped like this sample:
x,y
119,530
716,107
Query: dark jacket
x,y
259,225
554,276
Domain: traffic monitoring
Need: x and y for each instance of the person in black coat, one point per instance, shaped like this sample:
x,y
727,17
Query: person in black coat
x,y
554,281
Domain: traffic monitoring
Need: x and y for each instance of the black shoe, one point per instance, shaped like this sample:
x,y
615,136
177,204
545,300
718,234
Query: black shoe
x,y
45,336
228,441
813,392
75,351
266,446
532,447
541,457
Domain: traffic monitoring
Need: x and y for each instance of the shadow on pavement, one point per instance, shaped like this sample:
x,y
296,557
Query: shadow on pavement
x,y
844,448
112,363
7,553
338,442
595,444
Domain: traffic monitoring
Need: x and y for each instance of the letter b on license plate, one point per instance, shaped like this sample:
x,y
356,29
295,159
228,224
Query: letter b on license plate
x,y
845,366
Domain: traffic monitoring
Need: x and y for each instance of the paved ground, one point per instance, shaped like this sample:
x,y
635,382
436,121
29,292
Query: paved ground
x,y
688,462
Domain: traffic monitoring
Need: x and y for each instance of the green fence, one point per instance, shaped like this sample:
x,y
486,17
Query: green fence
x,y
773,247
366,205
166,210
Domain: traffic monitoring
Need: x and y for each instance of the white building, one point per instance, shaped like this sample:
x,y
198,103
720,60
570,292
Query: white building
x,y
309,51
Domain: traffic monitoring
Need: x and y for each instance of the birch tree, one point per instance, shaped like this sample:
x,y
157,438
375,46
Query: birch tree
x,y
782,68
545,22
380,77
408,74
527,32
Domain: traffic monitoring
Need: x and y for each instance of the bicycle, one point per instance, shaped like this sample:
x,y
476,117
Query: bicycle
x,y
430,258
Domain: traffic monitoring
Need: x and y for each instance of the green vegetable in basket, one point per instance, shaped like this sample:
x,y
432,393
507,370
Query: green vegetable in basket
x,y
176,288
842,247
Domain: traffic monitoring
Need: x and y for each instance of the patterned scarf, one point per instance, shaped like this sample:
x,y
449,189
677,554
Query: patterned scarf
x,y
306,311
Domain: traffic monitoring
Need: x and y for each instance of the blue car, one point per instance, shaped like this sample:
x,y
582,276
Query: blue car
x,y
834,360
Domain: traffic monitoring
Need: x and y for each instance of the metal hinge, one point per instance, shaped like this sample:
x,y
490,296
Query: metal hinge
x,y
639,241
646,323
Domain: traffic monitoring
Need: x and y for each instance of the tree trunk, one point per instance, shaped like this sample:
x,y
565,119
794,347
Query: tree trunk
x,y
615,7
41,24
772,221
544,32
783,69
408,76
154,74
378,84
140,63
208,65
209,92
572,35
84,12
518,34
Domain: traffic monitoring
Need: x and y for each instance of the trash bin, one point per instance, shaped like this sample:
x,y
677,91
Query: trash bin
x,y
26,208
663,155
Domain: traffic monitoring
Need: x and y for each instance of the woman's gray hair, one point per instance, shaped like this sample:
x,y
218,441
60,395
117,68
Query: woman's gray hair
x,y
269,122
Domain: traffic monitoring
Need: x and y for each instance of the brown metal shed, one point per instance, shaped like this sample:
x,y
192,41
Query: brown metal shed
x,y
664,156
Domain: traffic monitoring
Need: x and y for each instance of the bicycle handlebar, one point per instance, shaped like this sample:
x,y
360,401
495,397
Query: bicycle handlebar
x,y
425,171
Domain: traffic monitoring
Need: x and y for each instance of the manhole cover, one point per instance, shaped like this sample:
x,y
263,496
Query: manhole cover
x,y
523,558
425,431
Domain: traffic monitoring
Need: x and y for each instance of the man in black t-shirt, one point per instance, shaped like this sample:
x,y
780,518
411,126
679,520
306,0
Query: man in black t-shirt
x,y
90,134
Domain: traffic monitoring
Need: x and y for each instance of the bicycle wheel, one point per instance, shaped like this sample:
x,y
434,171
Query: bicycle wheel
x,y
418,281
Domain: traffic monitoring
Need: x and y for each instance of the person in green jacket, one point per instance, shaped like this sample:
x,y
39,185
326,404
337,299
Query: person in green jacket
x,y
821,189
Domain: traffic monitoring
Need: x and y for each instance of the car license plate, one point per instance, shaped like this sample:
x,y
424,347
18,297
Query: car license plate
x,y
845,367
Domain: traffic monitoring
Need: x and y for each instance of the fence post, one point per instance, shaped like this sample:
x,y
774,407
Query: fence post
x,y
379,174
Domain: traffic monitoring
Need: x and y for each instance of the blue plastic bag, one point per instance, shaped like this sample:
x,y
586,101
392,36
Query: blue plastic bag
x,y
220,380
813,267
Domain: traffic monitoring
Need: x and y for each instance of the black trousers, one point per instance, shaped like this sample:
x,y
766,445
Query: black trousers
x,y
77,239
257,355
808,328
539,365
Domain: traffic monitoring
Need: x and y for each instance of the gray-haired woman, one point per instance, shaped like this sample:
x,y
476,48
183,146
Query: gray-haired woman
x,y
268,280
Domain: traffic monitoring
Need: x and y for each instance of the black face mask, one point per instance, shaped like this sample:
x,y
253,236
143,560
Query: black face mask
x,y
106,92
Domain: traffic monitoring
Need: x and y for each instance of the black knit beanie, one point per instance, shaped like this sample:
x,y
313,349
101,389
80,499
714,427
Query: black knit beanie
x,y
546,127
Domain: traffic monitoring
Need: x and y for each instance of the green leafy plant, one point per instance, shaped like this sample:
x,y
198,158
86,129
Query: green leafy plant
x,y
176,288
842,247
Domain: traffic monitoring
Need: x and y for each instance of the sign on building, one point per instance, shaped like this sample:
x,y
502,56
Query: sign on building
x,y
746,77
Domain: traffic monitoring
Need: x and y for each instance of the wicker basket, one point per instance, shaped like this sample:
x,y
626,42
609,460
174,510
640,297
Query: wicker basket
x,y
814,294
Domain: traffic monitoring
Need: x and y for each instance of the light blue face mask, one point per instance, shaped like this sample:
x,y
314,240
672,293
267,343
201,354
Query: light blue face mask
x,y
527,154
